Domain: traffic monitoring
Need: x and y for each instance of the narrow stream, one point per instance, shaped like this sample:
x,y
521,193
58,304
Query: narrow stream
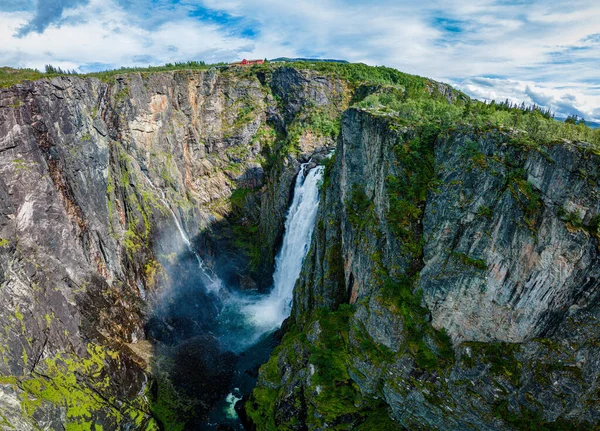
x,y
213,284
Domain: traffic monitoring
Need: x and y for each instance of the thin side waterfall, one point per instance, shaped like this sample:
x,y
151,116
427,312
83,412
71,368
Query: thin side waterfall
x,y
214,284
101,108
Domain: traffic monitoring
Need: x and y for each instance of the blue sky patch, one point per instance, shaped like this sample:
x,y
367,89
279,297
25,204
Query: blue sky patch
x,y
449,25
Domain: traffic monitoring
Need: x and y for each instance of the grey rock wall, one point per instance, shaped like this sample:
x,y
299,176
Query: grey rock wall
x,y
509,270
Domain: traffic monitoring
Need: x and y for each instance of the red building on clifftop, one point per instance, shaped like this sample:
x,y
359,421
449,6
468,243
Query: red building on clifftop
x,y
245,62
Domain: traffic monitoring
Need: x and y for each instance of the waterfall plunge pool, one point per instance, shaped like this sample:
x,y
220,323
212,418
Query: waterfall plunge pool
x,y
222,336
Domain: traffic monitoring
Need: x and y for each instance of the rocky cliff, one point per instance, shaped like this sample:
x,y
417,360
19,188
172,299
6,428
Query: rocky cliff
x,y
452,284
102,186
452,280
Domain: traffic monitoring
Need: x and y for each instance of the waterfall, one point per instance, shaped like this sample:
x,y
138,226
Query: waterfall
x,y
213,283
101,108
245,319
299,227
250,317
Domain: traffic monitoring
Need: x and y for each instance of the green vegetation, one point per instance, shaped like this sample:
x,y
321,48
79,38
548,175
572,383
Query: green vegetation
x,y
431,349
357,73
422,109
242,231
408,189
500,357
526,195
354,73
485,211
167,406
247,239
574,119
377,417
20,164
329,355
316,121
421,114
531,420
109,75
244,116
323,123
469,261
10,76
51,70
359,207
122,94
262,403
17,104
476,158
572,218
82,387
574,221
338,402
410,97
594,225
151,269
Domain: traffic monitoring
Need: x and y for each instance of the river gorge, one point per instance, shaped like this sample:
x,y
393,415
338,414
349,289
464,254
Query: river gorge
x,y
293,247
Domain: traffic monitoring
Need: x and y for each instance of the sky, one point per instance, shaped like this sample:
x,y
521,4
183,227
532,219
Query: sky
x,y
545,52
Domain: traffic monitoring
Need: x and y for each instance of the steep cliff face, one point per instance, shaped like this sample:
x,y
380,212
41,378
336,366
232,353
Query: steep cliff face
x,y
458,269
68,288
529,216
102,185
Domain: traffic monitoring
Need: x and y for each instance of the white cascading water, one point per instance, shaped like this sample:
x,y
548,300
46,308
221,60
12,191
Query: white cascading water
x,y
214,284
299,227
246,319
267,313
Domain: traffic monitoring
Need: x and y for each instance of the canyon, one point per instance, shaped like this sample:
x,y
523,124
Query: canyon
x,y
433,261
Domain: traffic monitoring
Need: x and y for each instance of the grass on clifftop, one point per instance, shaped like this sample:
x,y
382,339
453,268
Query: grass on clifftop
x,y
352,72
10,77
539,125
409,97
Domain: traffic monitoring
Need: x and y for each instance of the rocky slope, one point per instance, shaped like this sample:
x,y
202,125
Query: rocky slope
x,y
94,175
459,271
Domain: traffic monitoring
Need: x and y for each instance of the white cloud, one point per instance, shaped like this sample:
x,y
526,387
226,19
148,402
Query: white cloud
x,y
562,98
546,46
103,35
47,12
